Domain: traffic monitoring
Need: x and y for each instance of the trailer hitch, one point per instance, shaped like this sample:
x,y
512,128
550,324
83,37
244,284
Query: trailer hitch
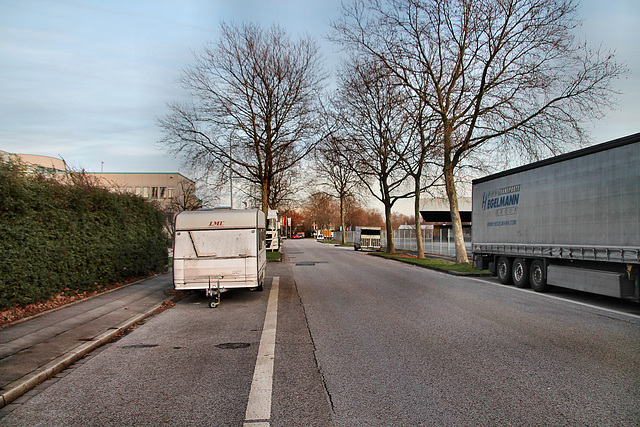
x,y
213,292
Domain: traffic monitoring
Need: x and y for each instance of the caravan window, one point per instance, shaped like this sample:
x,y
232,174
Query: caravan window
x,y
262,239
224,243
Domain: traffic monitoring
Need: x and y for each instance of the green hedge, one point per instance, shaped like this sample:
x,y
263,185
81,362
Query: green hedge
x,y
56,237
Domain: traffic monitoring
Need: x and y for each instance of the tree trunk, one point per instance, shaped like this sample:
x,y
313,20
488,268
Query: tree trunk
x,y
419,242
461,251
265,197
391,249
344,231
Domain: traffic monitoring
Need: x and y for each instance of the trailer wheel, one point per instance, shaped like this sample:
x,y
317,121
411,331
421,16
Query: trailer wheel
x,y
260,286
520,273
538,276
503,270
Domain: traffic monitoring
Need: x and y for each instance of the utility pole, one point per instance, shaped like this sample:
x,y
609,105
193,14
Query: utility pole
x,y
230,177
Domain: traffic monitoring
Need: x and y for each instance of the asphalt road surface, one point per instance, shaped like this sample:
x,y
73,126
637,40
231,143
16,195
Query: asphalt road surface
x,y
360,341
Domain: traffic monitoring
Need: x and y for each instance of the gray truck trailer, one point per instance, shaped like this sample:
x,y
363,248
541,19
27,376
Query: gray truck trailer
x,y
571,221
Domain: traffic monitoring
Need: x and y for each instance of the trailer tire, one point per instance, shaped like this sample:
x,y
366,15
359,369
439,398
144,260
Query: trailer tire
x,y
520,273
503,270
538,277
258,288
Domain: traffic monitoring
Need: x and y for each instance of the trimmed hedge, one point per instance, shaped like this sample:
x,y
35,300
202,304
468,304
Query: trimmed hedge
x,y
57,237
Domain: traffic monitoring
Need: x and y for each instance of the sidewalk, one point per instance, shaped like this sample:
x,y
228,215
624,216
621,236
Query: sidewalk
x,y
39,348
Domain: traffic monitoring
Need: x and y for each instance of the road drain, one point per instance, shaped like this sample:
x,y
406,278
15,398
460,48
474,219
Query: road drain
x,y
141,346
233,345
303,264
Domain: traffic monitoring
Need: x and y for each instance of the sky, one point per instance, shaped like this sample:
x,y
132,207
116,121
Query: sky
x,y
86,80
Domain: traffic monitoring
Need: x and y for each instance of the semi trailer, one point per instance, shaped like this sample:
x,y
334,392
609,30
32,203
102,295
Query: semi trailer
x,y
570,221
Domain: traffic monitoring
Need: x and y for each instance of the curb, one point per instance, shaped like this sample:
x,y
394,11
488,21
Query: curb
x,y
450,272
22,385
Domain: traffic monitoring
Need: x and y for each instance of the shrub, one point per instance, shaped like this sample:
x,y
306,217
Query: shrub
x,y
72,235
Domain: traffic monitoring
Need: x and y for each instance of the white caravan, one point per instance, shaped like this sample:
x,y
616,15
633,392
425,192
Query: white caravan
x,y
219,249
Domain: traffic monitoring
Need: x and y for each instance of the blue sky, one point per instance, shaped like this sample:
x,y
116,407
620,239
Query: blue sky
x,y
85,80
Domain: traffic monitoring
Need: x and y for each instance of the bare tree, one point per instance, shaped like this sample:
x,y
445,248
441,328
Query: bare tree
x,y
254,109
321,211
418,160
184,199
285,189
334,164
507,74
372,115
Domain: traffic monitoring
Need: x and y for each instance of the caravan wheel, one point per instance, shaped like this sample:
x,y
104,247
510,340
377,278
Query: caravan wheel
x,y
260,286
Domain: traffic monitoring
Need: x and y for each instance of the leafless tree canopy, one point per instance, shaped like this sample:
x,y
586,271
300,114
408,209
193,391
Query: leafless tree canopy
x,y
255,106
504,74
334,163
371,109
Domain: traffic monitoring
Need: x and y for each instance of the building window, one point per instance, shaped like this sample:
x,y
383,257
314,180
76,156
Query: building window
x,y
163,192
138,191
170,192
145,192
129,189
154,192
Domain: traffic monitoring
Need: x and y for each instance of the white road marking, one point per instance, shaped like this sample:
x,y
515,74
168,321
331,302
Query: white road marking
x,y
543,295
259,405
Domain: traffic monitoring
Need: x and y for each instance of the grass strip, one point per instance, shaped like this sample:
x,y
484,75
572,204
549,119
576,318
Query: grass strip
x,y
435,264
273,256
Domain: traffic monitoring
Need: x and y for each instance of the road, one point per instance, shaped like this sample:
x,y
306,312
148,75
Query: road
x,y
360,341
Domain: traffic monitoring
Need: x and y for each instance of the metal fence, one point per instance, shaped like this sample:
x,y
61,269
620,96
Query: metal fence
x,y
349,236
440,241
433,241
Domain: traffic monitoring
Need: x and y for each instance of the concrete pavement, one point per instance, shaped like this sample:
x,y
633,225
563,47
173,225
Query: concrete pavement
x,y
37,349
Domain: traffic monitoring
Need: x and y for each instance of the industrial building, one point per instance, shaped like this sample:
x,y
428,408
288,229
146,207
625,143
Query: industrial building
x,y
171,190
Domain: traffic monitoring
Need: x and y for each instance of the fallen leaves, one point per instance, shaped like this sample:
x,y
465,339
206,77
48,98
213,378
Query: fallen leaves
x,y
14,314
